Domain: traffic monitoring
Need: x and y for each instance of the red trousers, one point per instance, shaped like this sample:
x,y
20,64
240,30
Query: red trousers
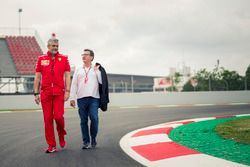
x,y
53,109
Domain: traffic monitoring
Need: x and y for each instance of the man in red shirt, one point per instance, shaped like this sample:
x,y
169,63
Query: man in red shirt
x,y
51,69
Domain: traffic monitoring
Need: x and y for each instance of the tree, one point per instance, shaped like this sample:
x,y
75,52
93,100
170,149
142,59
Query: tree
x,y
202,77
248,77
177,77
233,80
188,87
218,79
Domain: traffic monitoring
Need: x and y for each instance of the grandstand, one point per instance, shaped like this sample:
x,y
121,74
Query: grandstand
x,y
7,68
18,56
24,51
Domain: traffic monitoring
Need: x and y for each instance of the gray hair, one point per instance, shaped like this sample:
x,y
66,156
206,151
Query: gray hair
x,y
52,40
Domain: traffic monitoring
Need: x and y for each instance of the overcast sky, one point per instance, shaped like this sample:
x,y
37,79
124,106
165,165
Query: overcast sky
x,y
144,37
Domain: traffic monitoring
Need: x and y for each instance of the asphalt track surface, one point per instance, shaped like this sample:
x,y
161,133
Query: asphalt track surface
x,y
22,135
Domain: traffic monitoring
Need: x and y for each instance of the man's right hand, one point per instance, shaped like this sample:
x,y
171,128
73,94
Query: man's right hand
x,y
72,103
37,99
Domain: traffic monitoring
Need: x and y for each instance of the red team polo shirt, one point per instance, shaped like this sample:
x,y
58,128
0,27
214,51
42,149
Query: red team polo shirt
x,y
52,73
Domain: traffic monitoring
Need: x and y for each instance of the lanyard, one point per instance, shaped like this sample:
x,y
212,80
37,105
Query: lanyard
x,y
86,74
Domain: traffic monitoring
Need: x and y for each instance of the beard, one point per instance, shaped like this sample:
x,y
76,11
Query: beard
x,y
53,52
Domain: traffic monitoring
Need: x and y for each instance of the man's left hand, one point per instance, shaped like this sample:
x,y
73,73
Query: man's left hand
x,y
66,96
96,67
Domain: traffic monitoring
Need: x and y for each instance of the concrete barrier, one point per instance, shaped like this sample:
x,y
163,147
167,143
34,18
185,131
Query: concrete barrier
x,y
11,102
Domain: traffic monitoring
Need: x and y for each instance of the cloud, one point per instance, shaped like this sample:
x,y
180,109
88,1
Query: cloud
x,y
147,37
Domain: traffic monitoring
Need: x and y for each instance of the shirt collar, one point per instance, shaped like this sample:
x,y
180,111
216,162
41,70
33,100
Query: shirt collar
x,y
49,54
87,67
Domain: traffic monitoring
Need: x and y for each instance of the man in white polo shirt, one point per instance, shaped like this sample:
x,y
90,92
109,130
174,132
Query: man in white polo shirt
x,y
85,88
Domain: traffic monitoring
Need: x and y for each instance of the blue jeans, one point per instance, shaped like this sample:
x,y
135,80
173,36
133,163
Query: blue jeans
x,y
88,107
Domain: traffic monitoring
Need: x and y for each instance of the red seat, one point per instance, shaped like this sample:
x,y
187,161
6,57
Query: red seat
x,y
24,51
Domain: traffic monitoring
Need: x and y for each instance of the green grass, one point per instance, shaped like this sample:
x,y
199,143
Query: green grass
x,y
202,136
238,130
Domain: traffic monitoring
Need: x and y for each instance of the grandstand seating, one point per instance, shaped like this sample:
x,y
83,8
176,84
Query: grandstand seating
x,y
24,51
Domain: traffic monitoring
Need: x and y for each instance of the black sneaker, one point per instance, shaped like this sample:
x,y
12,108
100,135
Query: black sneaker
x,y
93,145
85,146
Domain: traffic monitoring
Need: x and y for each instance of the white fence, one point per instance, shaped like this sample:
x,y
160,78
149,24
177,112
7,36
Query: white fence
x,y
8,102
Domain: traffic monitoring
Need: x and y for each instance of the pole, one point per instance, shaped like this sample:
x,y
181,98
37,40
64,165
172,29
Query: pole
x,y
126,87
245,82
19,12
16,83
132,83
209,83
113,88
172,86
227,85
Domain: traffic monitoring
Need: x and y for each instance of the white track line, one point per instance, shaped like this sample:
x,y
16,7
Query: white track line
x,y
196,160
169,105
204,104
2,112
149,139
238,103
129,107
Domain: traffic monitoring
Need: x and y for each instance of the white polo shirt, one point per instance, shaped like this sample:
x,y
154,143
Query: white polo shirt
x,y
85,83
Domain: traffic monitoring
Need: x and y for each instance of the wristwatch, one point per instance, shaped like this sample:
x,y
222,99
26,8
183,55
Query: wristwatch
x,y
36,94
67,90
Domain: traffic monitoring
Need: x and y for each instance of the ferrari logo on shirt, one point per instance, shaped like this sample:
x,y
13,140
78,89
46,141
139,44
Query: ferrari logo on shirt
x,y
44,62
59,58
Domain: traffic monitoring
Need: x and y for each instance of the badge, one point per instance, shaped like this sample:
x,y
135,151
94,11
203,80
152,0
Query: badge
x,y
59,58
44,62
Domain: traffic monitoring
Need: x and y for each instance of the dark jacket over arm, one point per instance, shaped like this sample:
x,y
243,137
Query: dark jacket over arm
x,y
103,89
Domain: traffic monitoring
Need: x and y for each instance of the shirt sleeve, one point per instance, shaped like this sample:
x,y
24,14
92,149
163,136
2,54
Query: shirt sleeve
x,y
99,76
73,88
38,65
67,66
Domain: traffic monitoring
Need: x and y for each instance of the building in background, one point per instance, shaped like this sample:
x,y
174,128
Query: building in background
x,y
185,74
171,82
